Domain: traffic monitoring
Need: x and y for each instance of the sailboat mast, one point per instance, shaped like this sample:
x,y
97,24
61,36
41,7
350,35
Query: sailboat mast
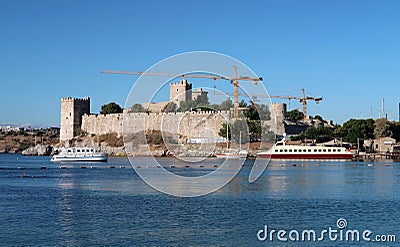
x,y
240,140
227,135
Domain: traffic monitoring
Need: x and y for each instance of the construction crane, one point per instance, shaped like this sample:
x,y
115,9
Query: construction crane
x,y
235,81
302,99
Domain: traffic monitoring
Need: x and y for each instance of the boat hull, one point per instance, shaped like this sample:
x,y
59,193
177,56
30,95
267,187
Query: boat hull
x,y
345,156
102,158
230,156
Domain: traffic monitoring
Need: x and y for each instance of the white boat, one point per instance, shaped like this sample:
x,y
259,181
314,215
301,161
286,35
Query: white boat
x,y
299,152
232,154
79,154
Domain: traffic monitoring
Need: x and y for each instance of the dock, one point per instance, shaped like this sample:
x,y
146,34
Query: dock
x,y
361,156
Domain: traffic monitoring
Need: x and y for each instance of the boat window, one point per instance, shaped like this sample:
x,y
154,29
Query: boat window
x,y
329,150
78,150
279,144
305,151
294,150
290,150
281,150
334,150
319,150
285,150
324,150
309,150
91,150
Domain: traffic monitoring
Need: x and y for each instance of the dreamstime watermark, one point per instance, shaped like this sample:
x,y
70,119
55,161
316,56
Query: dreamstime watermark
x,y
339,233
171,74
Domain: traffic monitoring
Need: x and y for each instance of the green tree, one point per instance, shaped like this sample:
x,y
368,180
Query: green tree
x,y
357,128
186,105
383,128
214,107
251,126
170,107
264,113
226,105
294,115
318,117
137,108
242,104
254,130
222,132
257,112
320,134
395,128
202,100
110,108
240,131
251,113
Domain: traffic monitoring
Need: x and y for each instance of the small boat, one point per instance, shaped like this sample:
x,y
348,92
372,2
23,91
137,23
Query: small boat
x,y
299,152
231,153
79,155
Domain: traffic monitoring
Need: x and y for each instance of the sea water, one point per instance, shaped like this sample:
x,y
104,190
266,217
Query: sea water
x,y
107,206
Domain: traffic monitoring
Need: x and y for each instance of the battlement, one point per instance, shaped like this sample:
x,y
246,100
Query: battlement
x,y
71,99
180,91
182,82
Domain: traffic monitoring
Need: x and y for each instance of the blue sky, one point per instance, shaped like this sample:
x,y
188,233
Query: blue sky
x,y
346,51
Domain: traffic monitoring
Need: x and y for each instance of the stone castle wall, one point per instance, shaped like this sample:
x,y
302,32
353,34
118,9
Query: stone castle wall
x,y
75,115
188,124
102,124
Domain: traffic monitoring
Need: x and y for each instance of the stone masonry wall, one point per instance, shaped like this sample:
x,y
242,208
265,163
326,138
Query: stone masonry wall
x,y
188,124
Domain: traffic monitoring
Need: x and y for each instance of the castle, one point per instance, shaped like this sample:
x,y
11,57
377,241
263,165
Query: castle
x,y
76,117
183,91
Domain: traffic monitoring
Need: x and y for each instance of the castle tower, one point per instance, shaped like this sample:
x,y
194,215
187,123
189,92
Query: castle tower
x,y
72,110
198,93
180,91
278,112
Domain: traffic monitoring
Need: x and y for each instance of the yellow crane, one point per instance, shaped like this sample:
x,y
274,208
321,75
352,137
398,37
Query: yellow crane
x,y
235,81
302,99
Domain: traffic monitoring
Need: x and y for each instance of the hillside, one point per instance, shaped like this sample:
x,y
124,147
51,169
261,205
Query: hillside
x,y
17,141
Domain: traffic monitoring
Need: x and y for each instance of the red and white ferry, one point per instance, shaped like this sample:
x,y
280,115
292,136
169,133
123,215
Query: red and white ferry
x,y
295,152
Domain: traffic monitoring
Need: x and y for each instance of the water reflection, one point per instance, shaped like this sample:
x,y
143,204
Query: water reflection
x,y
80,207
